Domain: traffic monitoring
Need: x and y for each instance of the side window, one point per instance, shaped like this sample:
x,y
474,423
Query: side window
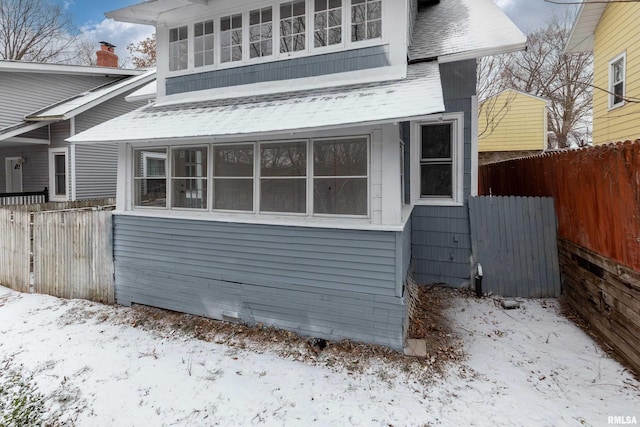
x,y
366,19
293,26
436,160
178,48
203,44
189,177
617,74
233,177
58,174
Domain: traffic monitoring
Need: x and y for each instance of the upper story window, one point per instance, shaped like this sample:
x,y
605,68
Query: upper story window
x,y
617,74
179,48
261,32
203,44
366,19
293,28
327,22
275,31
231,38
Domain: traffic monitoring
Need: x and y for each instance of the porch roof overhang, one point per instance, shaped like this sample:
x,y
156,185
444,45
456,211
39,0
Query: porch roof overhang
x,y
12,135
148,12
419,94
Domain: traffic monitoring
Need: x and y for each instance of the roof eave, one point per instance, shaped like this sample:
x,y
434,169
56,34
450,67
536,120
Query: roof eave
x,y
479,53
581,38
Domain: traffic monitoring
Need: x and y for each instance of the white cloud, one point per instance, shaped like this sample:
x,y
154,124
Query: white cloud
x,y
120,34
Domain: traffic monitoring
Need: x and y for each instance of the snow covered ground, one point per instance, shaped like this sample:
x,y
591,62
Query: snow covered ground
x,y
528,367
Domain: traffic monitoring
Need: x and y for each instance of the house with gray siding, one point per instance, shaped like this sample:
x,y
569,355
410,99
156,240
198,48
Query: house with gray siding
x,y
302,159
44,104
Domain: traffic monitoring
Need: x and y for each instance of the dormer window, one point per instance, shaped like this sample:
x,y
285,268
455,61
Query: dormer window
x,y
231,38
293,26
327,20
179,48
203,43
276,30
366,19
261,32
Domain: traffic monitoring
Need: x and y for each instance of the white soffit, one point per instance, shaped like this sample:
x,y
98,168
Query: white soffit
x,y
383,102
149,11
454,30
581,38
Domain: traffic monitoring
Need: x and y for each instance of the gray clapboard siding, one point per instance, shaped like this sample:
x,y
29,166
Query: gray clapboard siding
x,y
441,237
35,172
323,282
97,164
514,238
24,93
311,66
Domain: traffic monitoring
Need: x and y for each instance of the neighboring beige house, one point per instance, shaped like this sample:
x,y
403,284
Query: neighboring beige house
x,y
512,124
610,31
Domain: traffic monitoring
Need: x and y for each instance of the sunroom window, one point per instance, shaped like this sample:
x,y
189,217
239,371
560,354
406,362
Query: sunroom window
x,y
261,32
283,177
203,43
189,177
231,38
150,179
327,21
233,177
366,19
340,176
178,48
293,26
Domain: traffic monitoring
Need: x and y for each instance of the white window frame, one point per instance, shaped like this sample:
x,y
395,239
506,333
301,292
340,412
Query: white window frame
x,y
257,177
204,38
188,41
611,97
170,175
53,196
344,24
214,177
457,155
309,50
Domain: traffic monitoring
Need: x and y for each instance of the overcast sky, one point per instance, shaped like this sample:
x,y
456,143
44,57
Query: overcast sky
x,y
530,15
88,15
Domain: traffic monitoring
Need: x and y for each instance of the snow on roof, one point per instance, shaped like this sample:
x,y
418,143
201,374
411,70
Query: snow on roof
x,y
71,107
581,38
36,67
145,93
417,95
454,30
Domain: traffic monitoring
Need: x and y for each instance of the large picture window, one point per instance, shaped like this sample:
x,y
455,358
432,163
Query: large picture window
x,y
324,176
150,177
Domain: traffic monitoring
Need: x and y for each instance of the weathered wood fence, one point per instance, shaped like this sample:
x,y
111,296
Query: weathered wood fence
x,y
597,198
59,249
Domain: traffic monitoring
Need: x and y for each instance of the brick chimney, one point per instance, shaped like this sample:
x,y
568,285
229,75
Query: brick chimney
x,y
106,57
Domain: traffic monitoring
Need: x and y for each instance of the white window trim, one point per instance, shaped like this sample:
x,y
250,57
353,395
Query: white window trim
x,y
171,177
134,179
457,155
309,50
611,95
53,152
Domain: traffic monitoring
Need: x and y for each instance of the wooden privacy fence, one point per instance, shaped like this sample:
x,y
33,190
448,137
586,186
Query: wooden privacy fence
x,y
65,253
596,193
514,239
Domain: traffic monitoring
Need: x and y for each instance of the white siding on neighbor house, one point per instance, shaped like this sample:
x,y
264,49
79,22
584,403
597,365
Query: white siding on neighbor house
x,y
24,93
